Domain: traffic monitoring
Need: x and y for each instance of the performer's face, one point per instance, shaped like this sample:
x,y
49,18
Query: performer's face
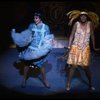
x,y
83,18
37,20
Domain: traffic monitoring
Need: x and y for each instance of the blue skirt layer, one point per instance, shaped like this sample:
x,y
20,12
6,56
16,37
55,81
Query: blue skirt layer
x,y
22,39
32,53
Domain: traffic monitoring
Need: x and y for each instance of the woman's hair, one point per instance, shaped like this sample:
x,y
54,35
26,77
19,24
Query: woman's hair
x,y
39,15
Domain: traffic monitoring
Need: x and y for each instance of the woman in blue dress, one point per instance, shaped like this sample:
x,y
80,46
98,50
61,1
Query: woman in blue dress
x,y
39,43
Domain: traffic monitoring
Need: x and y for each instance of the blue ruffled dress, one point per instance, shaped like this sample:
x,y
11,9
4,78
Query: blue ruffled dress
x,y
40,40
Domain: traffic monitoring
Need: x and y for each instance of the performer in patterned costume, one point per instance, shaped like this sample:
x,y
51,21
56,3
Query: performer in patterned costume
x,y
79,43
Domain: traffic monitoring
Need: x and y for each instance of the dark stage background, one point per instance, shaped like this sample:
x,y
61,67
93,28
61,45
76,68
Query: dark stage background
x,y
19,14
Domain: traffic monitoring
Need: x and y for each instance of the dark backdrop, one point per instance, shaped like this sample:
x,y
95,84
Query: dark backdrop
x,y
19,14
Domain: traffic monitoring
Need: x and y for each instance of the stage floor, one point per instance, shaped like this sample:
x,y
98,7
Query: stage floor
x,y
11,76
